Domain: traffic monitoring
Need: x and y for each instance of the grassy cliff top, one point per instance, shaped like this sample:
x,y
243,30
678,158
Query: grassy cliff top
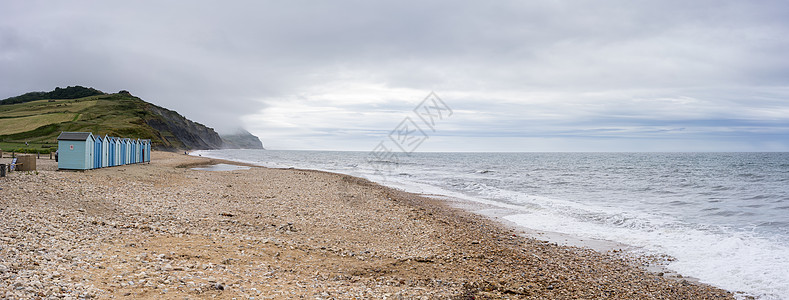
x,y
37,123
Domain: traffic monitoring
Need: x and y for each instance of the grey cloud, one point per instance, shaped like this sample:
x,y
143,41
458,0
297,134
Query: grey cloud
x,y
217,63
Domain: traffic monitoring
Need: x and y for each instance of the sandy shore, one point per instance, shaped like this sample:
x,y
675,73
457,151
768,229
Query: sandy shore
x,y
163,230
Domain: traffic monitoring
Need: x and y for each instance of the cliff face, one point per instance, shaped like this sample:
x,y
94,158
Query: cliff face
x,y
181,132
241,139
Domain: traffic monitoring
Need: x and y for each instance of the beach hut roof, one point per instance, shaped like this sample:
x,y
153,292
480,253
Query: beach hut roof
x,y
74,136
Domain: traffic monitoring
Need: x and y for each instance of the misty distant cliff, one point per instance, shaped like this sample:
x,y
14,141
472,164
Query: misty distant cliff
x,y
241,139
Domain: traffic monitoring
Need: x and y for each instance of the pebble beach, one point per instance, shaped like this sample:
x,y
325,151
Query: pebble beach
x,y
166,231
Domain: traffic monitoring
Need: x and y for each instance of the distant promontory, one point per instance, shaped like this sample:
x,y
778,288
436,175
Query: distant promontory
x,y
241,139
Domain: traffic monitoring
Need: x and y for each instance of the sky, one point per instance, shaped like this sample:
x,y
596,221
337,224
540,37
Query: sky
x,y
352,75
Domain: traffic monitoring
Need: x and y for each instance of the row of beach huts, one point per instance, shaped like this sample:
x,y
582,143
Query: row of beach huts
x,y
84,151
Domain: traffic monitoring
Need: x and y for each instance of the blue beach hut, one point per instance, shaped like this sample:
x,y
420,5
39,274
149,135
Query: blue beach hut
x,y
132,154
117,160
105,151
97,152
141,153
124,151
110,150
135,151
130,151
127,155
122,156
76,150
146,152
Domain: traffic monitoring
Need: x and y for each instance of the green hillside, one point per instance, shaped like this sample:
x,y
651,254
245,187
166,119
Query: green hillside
x,y
37,124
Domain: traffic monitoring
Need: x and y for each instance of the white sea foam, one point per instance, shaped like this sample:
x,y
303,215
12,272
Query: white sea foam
x,y
733,261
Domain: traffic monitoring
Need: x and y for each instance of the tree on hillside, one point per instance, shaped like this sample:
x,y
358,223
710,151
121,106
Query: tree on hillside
x,y
71,92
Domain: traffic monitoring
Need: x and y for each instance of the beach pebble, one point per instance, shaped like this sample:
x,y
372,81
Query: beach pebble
x,y
153,230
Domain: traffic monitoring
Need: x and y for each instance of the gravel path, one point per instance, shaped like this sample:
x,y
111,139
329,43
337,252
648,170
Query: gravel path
x,y
163,231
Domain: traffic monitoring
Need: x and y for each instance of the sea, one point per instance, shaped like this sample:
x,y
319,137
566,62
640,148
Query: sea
x,y
722,218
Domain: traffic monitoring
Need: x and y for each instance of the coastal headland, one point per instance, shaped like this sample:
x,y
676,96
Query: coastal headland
x,y
165,231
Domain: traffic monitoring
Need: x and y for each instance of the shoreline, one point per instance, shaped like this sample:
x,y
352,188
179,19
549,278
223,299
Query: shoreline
x,y
162,230
491,210
655,264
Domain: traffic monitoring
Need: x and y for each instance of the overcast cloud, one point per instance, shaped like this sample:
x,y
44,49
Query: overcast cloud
x,y
519,75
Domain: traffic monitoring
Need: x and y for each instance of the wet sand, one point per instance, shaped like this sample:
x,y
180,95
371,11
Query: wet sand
x,y
164,230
